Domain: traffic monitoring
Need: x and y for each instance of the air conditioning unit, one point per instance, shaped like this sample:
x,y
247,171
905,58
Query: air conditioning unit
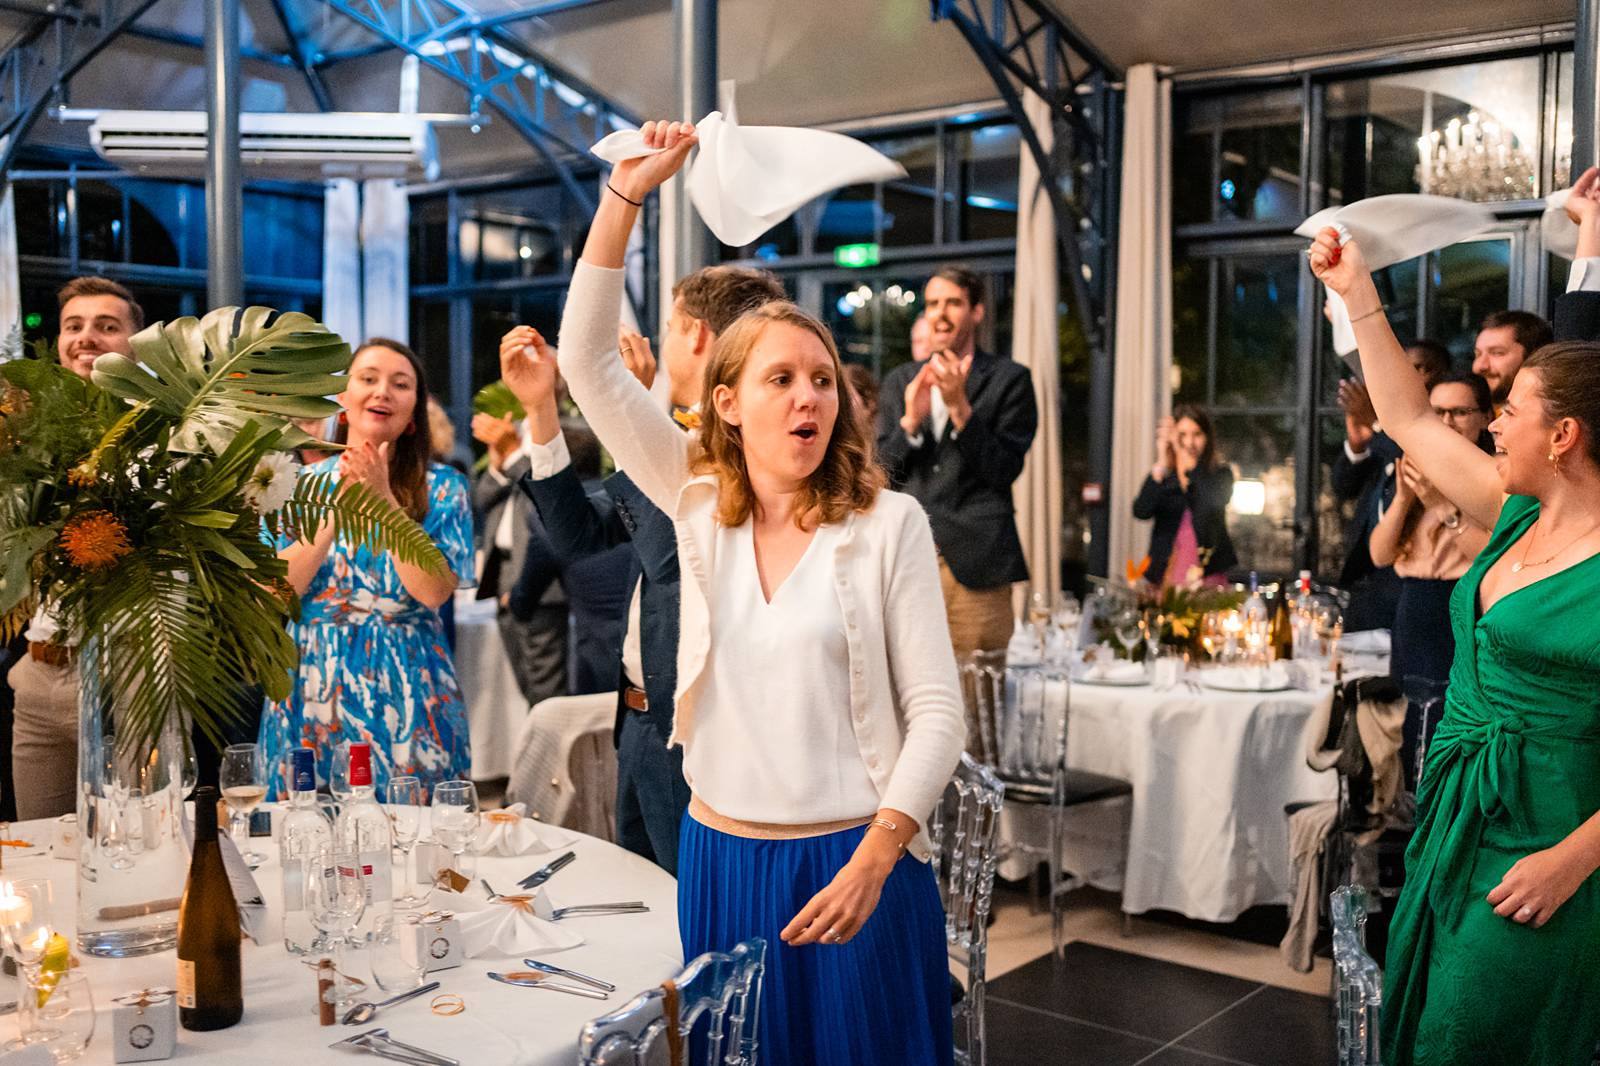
x,y
273,144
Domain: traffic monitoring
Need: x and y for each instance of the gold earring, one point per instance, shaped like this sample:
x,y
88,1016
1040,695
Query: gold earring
x,y
1555,462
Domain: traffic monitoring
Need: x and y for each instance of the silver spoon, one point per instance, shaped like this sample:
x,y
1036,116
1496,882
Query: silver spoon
x,y
363,1012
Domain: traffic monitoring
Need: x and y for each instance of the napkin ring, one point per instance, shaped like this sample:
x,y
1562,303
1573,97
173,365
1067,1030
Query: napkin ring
x,y
446,1004
502,817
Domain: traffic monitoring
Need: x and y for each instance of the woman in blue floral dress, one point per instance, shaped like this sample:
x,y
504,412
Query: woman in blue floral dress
x,y
374,665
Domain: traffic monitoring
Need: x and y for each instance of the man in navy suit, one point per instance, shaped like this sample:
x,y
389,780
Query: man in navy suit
x,y
953,432
651,792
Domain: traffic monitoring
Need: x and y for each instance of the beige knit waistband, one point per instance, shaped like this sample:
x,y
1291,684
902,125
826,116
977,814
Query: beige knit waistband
x,y
702,813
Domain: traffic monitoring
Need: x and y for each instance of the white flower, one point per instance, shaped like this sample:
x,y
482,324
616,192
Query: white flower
x,y
271,484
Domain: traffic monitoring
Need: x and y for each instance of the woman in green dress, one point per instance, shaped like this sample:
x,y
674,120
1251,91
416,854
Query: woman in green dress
x,y
1494,948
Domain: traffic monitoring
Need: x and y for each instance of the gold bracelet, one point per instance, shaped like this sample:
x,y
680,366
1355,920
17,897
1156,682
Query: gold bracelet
x,y
1375,311
886,824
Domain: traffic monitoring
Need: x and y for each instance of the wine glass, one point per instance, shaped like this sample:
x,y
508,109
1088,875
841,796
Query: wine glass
x,y
339,775
244,786
25,921
1128,628
394,966
67,1015
404,794
336,894
455,817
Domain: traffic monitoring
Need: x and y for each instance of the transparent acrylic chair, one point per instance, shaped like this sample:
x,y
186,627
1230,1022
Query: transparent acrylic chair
x,y
1358,981
965,829
1030,709
719,997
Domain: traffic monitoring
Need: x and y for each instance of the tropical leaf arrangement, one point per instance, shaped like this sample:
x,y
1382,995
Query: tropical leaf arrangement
x,y
132,508
1179,610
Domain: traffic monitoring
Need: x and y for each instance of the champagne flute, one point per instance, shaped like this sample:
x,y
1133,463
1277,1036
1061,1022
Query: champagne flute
x,y
336,894
339,775
455,817
25,922
404,794
244,786
1129,631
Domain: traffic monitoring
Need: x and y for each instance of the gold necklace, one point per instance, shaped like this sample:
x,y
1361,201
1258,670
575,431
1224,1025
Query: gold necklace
x,y
1523,564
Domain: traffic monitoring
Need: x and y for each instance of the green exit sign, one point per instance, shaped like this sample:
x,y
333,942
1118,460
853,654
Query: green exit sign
x,y
856,255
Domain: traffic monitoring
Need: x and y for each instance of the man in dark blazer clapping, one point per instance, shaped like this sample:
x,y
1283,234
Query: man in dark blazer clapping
x,y
953,432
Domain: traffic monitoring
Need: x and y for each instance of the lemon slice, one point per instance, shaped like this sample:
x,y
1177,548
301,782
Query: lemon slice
x,y
57,957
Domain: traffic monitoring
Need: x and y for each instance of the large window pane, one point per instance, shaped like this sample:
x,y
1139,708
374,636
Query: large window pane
x,y
430,338
157,215
283,235
1256,330
849,216
1191,306
41,209
430,240
100,221
1333,518
910,204
1467,282
987,181
1258,140
1261,450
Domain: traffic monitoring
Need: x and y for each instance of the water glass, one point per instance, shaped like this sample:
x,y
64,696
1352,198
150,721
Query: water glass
x,y
67,1015
339,775
391,950
404,795
336,895
244,786
25,908
455,816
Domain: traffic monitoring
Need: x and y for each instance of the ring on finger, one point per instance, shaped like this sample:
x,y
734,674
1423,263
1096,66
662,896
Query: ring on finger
x,y
1524,914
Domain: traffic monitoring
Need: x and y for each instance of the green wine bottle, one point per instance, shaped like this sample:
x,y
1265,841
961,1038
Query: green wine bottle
x,y
210,973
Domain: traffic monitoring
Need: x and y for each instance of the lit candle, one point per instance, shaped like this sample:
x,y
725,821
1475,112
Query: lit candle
x,y
14,909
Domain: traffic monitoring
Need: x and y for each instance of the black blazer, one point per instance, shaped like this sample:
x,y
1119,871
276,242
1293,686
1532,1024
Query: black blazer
x,y
963,480
1371,484
1165,501
1578,316
580,524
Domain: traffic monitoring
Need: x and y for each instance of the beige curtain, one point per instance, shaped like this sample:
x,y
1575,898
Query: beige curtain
x,y
1141,386
1036,345
10,275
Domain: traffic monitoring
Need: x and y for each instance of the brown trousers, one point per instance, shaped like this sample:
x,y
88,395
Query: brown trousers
x,y
980,620
44,738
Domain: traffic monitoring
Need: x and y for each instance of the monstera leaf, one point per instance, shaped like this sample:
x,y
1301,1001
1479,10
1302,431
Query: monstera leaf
x,y
213,375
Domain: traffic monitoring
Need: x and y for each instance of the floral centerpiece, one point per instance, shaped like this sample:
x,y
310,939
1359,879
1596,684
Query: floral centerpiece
x,y
132,507
1177,611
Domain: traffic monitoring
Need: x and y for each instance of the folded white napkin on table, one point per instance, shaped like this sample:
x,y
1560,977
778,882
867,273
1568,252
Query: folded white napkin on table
x,y
511,832
503,927
747,179
1366,641
1392,229
1116,670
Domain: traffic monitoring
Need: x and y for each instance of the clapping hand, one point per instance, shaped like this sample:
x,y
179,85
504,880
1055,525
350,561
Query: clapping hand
x,y
919,399
950,378
636,355
368,464
1359,415
1166,444
500,434
637,178
1417,484
1584,200
528,367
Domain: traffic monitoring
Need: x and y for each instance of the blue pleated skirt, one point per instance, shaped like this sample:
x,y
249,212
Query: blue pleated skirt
x,y
883,999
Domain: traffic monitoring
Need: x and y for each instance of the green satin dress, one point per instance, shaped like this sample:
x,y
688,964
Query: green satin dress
x,y
1513,769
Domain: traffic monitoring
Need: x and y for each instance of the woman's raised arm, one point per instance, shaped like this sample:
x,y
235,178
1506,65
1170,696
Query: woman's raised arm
x,y
1465,475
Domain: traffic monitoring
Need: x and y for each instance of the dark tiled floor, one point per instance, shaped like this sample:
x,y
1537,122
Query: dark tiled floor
x,y
1099,1007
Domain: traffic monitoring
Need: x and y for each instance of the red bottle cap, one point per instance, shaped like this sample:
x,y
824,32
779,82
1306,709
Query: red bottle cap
x,y
360,765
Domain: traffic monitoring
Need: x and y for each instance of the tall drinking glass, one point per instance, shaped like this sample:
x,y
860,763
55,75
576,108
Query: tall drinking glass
x,y
455,817
244,786
404,794
336,894
25,920
339,775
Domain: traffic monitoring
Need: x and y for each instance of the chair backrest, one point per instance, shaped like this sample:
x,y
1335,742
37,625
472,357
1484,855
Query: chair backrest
x,y
1033,725
1425,704
982,687
719,996
1358,980
965,829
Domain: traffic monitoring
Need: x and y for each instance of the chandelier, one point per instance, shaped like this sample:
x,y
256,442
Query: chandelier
x,y
1477,160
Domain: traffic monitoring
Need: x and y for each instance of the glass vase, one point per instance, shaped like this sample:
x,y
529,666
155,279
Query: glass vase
x,y
132,858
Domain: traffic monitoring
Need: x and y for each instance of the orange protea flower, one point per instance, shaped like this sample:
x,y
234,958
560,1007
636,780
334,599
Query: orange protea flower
x,y
82,475
1137,570
95,540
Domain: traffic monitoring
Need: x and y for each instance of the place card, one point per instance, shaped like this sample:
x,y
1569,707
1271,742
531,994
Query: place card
x,y
144,1025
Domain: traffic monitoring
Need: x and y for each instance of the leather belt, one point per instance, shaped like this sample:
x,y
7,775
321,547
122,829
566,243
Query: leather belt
x,y
635,699
49,654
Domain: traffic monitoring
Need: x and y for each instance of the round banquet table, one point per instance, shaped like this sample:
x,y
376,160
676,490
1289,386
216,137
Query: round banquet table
x,y
502,1025
1212,772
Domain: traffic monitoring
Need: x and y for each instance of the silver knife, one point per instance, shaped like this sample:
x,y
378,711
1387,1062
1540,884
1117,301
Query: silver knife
x,y
539,877
604,986
554,986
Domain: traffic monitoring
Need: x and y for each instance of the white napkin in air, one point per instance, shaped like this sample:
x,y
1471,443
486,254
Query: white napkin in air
x,y
1559,234
511,832
1391,230
747,179
505,927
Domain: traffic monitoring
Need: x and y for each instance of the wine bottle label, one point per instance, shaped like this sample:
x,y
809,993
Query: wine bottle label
x,y
186,984
378,867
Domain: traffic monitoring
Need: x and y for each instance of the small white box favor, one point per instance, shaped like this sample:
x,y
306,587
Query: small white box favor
x,y
144,1026
435,943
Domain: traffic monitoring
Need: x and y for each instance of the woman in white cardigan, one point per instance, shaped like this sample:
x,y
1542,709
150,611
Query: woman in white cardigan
x,y
818,701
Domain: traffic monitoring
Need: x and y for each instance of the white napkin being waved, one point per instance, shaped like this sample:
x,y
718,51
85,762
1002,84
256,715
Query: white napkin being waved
x,y
1391,230
504,927
747,179
510,832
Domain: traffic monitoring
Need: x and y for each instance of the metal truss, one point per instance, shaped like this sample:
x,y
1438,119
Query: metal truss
x,y
45,56
1026,45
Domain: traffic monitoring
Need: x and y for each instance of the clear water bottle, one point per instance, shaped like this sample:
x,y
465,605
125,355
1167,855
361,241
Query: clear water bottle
x,y
364,829
302,830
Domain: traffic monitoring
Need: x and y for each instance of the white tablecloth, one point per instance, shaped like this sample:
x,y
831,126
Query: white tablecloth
x,y
495,707
502,1025
1211,773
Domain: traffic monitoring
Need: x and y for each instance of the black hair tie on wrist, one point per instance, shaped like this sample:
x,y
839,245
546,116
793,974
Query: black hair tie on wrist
x,y
635,203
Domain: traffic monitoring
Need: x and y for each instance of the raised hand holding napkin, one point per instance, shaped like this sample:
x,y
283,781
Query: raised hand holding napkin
x,y
511,832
